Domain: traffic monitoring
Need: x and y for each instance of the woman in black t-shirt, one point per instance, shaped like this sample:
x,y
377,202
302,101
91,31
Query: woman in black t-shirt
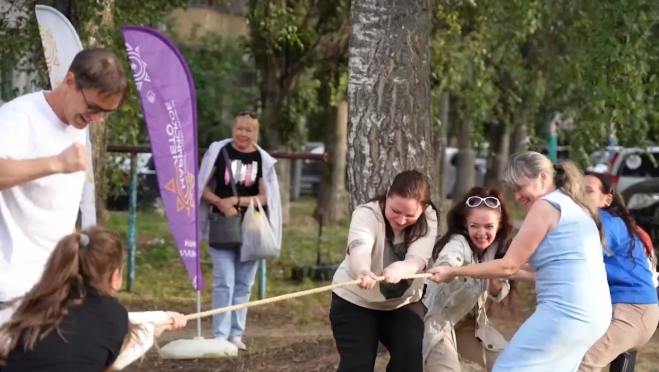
x,y
233,279
71,321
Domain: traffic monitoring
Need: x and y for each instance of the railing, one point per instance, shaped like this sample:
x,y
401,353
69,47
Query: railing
x,y
132,203
235,6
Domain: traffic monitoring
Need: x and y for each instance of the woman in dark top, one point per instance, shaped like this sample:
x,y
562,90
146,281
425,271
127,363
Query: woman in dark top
x,y
70,321
233,279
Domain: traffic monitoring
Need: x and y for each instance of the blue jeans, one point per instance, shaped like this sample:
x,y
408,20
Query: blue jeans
x,y
232,285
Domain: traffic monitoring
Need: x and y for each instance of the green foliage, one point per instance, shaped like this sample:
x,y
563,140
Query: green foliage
x,y
287,41
591,60
20,40
224,81
21,52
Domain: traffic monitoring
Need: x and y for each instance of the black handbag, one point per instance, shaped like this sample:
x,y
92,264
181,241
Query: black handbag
x,y
223,230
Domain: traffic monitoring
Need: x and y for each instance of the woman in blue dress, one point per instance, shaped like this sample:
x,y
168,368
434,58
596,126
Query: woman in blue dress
x,y
561,240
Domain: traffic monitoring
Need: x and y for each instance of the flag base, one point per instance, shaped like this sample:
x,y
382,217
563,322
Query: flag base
x,y
199,348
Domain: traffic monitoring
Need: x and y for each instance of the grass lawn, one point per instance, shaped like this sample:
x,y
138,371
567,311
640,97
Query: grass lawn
x,y
161,281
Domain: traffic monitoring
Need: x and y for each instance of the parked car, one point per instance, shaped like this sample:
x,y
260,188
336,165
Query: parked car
x,y
312,171
627,165
642,200
147,183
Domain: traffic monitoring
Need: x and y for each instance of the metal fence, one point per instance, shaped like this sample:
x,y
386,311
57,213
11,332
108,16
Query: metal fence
x,y
132,202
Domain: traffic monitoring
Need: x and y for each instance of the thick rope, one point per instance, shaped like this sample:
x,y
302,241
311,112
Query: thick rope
x,y
285,297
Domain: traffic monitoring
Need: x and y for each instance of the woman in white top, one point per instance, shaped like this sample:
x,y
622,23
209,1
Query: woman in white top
x,y
252,170
480,229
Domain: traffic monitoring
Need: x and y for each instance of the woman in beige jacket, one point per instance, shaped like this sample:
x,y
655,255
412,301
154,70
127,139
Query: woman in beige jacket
x,y
480,229
393,235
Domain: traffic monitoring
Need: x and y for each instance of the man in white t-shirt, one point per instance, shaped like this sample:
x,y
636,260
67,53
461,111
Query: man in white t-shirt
x,y
42,163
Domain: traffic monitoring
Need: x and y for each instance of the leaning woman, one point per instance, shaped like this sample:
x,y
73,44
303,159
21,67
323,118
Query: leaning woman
x,y
391,236
71,320
561,240
480,229
234,173
633,294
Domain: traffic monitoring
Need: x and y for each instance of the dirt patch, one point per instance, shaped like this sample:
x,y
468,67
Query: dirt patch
x,y
283,355
278,342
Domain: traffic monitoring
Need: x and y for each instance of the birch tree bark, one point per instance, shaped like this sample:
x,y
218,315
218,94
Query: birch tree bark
x,y
389,127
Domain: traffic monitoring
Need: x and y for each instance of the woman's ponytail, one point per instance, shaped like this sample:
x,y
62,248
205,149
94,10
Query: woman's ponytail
x,y
60,287
569,178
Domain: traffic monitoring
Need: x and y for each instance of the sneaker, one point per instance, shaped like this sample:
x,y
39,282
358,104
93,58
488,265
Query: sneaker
x,y
238,342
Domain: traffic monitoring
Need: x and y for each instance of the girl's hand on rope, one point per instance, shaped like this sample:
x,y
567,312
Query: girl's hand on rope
x,y
178,321
442,273
393,273
368,279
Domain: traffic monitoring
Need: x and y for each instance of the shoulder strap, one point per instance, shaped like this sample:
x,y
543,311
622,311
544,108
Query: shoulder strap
x,y
227,164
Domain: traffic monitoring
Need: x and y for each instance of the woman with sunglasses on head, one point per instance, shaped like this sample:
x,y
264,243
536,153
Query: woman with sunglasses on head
x,y
561,240
633,294
234,173
480,229
393,236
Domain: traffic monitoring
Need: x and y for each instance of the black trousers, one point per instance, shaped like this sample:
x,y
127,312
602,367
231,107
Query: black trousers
x,y
357,332
625,362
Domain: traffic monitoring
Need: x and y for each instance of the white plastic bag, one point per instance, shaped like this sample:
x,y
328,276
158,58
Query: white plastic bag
x,y
259,241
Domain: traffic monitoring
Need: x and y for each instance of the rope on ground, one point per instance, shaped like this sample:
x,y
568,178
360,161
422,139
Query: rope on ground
x,y
286,297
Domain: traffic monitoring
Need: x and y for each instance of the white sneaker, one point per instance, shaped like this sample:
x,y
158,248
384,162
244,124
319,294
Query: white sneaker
x,y
238,342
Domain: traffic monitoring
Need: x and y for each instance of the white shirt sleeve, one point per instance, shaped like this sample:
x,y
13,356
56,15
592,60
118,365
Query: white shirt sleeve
x,y
147,317
143,339
139,344
15,134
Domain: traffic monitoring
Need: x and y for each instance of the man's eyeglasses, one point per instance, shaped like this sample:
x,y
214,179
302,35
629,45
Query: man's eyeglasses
x,y
251,114
476,201
94,108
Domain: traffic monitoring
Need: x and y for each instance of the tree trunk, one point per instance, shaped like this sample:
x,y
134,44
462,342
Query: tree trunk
x,y
519,137
98,132
389,128
466,162
499,139
332,204
272,93
439,193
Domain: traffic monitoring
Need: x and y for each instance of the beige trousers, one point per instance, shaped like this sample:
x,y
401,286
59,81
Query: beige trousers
x,y
445,356
632,326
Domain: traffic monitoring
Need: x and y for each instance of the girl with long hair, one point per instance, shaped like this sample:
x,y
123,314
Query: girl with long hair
x,y
630,277
561,240
480,229
393,236
71,321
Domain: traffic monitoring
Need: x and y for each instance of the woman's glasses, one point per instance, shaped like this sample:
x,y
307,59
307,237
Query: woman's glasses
x,y
251,114
476,201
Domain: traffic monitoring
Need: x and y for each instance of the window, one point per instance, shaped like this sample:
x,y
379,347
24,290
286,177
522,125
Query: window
x,y
640,165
